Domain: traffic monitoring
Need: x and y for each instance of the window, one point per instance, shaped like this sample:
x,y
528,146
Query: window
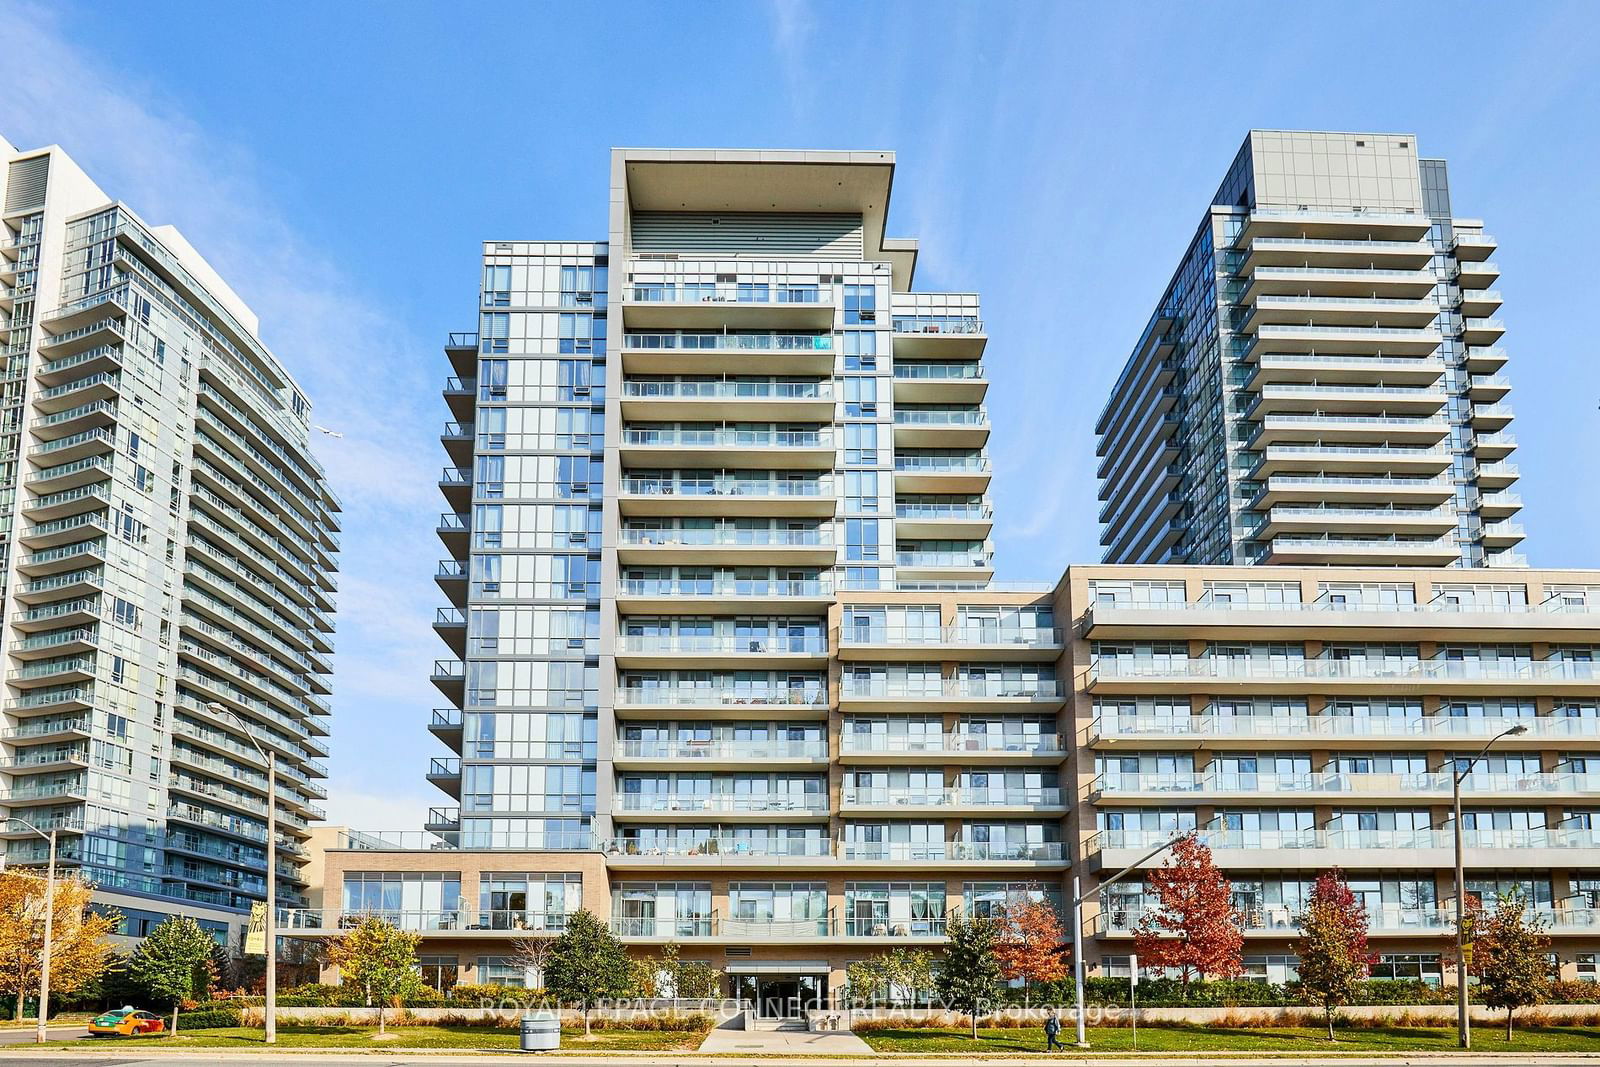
x,y
496,286
124,612
1586,967
861,539
575,333
495,332
860,304
492,379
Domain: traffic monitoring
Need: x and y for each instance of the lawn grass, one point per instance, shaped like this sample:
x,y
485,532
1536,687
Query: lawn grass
x,y
1284,1040
362,1037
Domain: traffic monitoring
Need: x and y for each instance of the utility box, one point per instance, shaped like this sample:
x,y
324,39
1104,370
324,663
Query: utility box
x,y
541,1032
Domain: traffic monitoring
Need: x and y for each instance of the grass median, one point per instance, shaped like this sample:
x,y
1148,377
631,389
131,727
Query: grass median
x,y
1280,1040
486,1038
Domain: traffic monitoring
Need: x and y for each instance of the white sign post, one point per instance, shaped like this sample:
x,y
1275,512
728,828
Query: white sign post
x,y
1133,997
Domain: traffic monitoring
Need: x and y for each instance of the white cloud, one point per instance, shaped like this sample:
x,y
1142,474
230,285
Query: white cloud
x,y
354,358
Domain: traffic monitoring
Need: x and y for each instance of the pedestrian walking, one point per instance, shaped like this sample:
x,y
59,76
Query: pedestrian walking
x,y
1052,1030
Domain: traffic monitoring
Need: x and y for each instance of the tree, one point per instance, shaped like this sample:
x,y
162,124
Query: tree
x,y
1332,946
1511,957
533,954
173,963
904,972
587,965
969,972
379,958
79,945
1196,928
1032,945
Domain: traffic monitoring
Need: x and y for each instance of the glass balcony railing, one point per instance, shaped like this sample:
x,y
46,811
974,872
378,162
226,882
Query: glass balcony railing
x,y
692,696
961,688
726,802
728,389
941,464
735,293
1444,727
725,342
951,417
1429,783
957,324
969,634
758,488
1356,670
729,438
714,537
692,749
729,587
733,644
716,846
1011,744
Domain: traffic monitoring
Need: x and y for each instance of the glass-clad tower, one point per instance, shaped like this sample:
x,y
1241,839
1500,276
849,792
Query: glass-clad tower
x,y
168,563
1322,380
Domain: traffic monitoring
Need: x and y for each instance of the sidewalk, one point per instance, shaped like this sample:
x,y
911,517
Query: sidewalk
x,y
784,1043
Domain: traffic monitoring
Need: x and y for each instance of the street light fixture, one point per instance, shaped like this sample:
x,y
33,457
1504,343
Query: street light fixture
x,y
1078,897
39,1034
270,1009
1463,1024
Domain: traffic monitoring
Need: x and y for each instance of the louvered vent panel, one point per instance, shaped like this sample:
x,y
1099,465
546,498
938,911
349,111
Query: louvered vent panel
x,y
833,236
25,184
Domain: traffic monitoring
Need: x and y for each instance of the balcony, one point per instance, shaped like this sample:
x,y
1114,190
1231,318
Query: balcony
x,y
961,382
758,449
1317,490
1290,368
1502,534
941,474
1289,548
935,336
451,577
1476,274
1479,303
952,853
742,399
939,565
727,494
1326,340
1353,429
1311,851
1312,520
1400,677
459,442
1489,418
694,650
450,675
455,531
1265,251
773,305
998,800
718,755
724,592
1478,333
446,774
1497,475
1353,460
720,702
1494,445
84,554
878,748
1498,505
1339,281
724,545
685,352
451,625
1473,247
777,851
964,428
46,730
456,485
1321,398
1357,311
1424,732
974,694
446,726
1363,225
970,641
728,806
461,394
1216,786
1488,388
958,520
1281,922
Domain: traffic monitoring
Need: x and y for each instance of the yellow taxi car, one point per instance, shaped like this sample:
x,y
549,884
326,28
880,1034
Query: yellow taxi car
x,y
126,1022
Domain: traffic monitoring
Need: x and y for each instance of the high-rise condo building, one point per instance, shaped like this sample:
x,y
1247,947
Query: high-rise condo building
x,y
167,560
732,672
1322,380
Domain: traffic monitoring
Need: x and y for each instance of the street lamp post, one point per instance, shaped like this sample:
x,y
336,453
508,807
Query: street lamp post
x,y
39,1034
1077,923
270,1009
1458,773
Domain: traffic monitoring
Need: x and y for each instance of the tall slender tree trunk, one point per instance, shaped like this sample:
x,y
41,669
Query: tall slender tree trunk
x,y
380,1018
974,1024
1509,1013
587,1033
1328,1009
175,1008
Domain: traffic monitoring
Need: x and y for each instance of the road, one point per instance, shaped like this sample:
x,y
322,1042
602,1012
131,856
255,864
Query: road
x,y
126,1055
14,1035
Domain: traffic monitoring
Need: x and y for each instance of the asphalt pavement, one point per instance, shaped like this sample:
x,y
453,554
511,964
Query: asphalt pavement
x,y
14,1035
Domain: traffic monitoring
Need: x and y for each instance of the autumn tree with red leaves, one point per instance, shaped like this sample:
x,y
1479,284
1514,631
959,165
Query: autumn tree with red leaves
x,y
1334,960
1032,945
1195,928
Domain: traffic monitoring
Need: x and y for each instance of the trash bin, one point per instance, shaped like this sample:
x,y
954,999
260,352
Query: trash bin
x,y
541,1032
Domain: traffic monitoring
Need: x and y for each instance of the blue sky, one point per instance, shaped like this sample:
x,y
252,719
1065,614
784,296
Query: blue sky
x,y
340,162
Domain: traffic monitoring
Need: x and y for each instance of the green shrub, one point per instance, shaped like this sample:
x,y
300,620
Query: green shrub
x,y
474,995
208,1017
